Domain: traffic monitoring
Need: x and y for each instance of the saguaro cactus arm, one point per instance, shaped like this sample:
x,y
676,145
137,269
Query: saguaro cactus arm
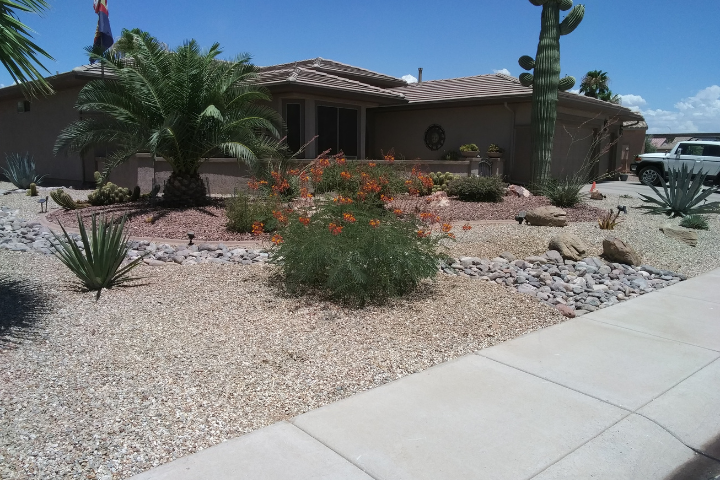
x,y
526,79
572,20
527,62
566,83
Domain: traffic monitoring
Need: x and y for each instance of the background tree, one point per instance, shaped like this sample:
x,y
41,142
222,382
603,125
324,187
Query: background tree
x,y
183,105
595,84
546,81
18,53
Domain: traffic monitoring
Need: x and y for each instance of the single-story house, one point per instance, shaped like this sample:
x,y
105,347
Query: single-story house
x,y
664,142
361,112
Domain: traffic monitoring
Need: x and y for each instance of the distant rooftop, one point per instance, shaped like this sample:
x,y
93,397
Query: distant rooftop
x,y
342,70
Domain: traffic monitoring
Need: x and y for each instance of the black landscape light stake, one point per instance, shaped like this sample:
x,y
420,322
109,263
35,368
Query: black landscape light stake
x,y
191,235
622,208
520,217
43,203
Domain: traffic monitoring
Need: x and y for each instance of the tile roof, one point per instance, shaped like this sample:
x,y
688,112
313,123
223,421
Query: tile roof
x,y
313,78
490,86
635,125
341,70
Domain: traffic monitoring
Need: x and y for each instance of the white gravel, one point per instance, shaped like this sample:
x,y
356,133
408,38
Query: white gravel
x,y
29,206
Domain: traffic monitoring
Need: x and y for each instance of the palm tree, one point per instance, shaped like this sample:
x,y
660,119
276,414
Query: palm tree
x,y
183,105
595,84
18,53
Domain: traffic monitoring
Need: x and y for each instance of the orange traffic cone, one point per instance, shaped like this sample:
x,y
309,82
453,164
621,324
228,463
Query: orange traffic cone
x,y
592,189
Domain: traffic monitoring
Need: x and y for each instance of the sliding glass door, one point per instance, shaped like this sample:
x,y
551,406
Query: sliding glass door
x,y
337,130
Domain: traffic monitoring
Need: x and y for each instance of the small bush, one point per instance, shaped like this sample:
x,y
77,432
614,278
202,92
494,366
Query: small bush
x,y
98,266
696,222
244,212
20,170
563,193
469,147
477,189
355,254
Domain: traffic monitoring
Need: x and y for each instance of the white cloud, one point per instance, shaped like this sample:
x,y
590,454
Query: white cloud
x,y
631,100
2,85
576,91
504,71
699,113
409,78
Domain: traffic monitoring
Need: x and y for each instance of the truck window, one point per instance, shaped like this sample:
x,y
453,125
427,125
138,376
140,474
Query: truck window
x,y
711,150
690,149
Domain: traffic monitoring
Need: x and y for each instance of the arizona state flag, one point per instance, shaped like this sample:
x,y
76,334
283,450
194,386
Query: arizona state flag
x,y
103,34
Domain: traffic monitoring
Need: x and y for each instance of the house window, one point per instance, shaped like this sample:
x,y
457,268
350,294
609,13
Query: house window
x,y
293,113
23,106
337,130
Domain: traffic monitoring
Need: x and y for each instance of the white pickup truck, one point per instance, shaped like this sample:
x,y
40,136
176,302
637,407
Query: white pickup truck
x,y
697,155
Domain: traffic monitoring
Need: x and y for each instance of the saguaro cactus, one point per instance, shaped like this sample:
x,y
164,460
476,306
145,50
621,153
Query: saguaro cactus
x,y
546,80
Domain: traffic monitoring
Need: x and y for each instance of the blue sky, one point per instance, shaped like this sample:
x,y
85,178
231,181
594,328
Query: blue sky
x,y
661,56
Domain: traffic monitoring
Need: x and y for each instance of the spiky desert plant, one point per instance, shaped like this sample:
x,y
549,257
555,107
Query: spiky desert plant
x,y
682,195
20,170
546,81
135,194
696,222
99,264
184,105
609,220
63,199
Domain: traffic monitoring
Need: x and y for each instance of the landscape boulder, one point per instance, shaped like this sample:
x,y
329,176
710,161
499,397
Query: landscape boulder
x,y
596,195
617,251
547,216
680,233
519,191
568,245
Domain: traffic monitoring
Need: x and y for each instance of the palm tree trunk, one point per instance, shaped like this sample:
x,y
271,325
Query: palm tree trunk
x,y
185,189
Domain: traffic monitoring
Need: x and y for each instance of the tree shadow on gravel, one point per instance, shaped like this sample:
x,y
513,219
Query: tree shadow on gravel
x,y
22,305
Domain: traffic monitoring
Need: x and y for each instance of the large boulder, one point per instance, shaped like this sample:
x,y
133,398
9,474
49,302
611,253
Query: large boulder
x,y
547,216
568,245
680,233
615,250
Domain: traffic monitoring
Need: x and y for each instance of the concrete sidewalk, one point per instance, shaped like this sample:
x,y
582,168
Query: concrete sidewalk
x,y
627,392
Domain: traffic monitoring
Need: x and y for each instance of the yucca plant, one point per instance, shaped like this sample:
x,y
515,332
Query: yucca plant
x,y
609,220
99,265
683,194
696,222
21,170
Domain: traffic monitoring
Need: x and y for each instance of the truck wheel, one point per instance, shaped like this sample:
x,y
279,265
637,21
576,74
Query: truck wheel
x,y
650,176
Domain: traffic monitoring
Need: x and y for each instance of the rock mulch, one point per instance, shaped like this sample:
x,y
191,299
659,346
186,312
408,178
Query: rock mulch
x,y
195,356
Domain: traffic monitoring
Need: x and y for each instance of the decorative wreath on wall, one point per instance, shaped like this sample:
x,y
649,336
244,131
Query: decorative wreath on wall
x,y
434,137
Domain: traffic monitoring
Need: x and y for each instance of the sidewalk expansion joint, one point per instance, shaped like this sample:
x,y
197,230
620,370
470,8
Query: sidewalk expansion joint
x,y
699,452
291,422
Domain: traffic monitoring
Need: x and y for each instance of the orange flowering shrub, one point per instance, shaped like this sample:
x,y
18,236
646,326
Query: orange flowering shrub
x,y
244,213
277,239
467,227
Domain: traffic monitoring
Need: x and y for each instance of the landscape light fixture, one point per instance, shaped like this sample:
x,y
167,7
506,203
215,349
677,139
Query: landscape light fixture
x,y
43,203
520,217
191,235
622,208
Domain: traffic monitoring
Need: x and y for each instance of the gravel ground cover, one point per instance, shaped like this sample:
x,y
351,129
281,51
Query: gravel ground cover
x,y
640,231
203,354
28,206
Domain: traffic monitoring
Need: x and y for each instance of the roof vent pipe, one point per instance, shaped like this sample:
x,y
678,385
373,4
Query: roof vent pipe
x,y
419,75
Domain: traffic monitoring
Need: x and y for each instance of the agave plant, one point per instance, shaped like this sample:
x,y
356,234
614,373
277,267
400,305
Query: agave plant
x,y
21,170
683,194
99,265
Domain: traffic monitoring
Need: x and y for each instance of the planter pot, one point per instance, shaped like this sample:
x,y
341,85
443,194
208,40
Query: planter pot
x,y
623,177
494,154
469,154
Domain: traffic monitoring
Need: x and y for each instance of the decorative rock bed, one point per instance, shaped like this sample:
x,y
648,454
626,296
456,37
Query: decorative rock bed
x,y
575,288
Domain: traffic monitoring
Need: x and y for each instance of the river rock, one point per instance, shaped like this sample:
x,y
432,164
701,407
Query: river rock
x,y
615,250
568,245
683,234
547,216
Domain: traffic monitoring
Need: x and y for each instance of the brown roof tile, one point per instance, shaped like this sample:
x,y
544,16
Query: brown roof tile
x,y
341,70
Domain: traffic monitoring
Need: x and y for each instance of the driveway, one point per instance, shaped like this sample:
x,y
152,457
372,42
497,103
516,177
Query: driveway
x,y
633,187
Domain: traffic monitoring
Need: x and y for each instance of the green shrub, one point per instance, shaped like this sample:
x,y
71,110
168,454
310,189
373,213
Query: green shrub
x,y
469,147
696,222
243,211
339,252
109,194
99,265
477,189
20,170
564,193
683,194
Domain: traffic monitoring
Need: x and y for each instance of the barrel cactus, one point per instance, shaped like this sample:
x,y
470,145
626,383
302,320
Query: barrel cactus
x,y
109,194
546,82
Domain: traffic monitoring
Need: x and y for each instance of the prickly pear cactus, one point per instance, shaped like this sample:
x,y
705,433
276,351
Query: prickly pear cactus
x,y
546,82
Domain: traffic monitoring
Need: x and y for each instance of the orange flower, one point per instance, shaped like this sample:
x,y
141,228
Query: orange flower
x,y
340,161
389,158
362,196
413,191
345,175
348,217
423,233
451,235
293,171
446,227
335,229
324,162
304,220
342,200
253,184
428,217
467,227
372,164
263,182
374,223
398,212
277,239
280,216
304,193
386,199
257,228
